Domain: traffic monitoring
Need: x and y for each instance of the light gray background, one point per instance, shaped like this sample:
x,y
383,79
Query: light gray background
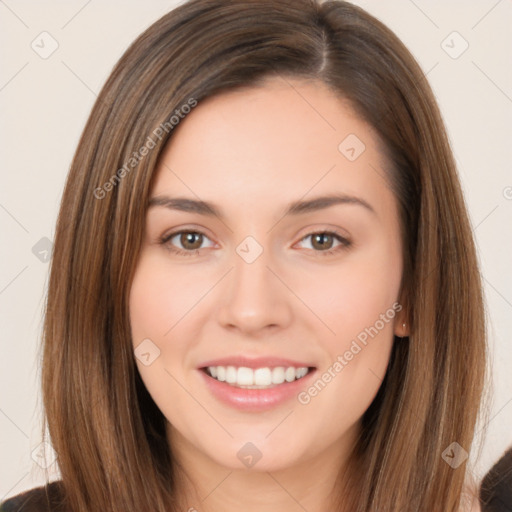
x,y
45,102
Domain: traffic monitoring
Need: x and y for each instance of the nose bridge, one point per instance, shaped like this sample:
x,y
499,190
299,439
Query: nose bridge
x,y
254,298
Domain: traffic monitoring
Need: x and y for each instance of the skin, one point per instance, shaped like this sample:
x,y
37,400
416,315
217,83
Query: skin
x,y
251,153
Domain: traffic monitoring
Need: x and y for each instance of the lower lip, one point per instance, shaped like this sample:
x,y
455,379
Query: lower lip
x,y
255,400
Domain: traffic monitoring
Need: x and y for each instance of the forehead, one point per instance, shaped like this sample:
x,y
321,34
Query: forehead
x,y
283,137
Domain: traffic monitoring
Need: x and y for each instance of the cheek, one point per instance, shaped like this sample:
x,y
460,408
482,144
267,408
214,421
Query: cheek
x,y
160,299
359,305
148,303
159,303
353,295
357,301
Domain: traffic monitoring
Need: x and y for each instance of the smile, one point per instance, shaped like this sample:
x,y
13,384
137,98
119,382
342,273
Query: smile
x,y
257,378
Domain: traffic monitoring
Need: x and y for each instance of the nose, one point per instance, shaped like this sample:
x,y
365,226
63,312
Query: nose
x,y
254,300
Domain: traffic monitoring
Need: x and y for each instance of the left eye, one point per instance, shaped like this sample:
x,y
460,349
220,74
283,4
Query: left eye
x,y
323,241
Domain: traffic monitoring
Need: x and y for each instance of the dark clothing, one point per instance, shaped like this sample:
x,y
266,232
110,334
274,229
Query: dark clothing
x,y
47,498
496,487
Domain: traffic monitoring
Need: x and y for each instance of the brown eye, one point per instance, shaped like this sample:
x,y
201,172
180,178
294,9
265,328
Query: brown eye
x,y
191,240
186,243
322,241
326,242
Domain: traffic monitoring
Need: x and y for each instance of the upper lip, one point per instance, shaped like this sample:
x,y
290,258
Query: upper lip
x,y
257,362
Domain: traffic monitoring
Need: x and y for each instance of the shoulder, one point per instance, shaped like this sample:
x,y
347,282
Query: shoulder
x,y
47,498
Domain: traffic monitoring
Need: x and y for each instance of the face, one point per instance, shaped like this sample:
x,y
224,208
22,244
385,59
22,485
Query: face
x,y
271,249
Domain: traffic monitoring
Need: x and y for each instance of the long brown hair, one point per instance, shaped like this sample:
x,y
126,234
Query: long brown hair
x,y
107,432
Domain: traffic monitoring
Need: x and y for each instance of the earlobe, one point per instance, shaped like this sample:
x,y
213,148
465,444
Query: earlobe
x,y
401,329
402,325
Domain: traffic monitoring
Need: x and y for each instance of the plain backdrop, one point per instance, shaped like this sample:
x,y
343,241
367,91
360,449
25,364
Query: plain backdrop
x,y
464,47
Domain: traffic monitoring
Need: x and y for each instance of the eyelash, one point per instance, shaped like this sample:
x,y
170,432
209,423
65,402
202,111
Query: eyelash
x,y
344,242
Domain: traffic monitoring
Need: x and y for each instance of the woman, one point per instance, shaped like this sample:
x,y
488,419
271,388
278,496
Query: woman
x,y
264,276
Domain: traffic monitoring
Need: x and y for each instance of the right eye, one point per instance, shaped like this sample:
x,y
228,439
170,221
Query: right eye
x,y
190,241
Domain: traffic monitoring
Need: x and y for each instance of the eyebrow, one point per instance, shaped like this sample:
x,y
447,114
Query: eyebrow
x,y
294,208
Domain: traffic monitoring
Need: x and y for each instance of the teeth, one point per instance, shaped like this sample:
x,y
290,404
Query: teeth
x,y
289,374
262,376
221,373
256,379
231,375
